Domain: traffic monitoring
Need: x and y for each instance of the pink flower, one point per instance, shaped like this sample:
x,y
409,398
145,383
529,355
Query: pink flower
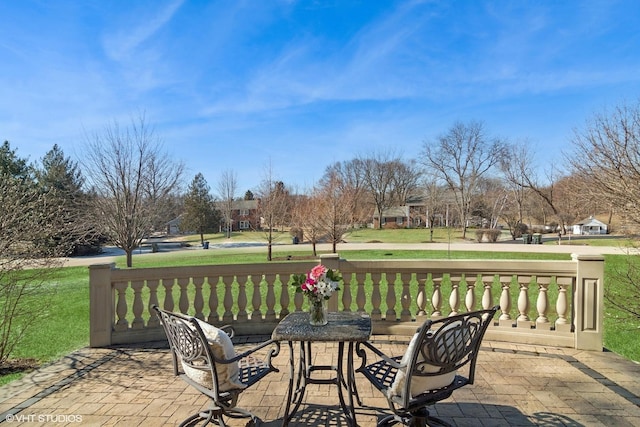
x,y
318,272
309,285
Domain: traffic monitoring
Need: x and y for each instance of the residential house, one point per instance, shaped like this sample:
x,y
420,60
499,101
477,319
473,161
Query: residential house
x,y
590,226
412,214
245,215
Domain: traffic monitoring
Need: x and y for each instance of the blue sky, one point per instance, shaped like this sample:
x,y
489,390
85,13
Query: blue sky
x,y
297,85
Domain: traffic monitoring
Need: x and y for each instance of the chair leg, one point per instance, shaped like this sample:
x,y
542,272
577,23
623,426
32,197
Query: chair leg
x,y
420,418
215,417
435,421
389,420
423,418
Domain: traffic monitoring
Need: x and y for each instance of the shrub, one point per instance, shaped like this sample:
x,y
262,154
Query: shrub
x,y
488,235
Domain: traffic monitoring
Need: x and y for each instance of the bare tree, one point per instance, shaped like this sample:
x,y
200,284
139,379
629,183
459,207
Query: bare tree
x,y
493,198
31,222
405,178
606,153
131,177
460,158
163,177
333,209
548,194
516,169
305,219
274,208
227,187
378,176
349,175
434,204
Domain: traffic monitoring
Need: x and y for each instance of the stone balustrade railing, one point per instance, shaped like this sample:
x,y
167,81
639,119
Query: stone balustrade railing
x,y
557,303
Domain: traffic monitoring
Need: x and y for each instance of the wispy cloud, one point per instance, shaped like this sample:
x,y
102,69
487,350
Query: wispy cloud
x,y
130,36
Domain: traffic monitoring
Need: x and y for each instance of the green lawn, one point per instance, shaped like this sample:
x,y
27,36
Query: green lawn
x,y
67,325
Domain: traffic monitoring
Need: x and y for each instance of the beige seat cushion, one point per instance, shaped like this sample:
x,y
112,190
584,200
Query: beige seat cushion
x,y
222,348
419,384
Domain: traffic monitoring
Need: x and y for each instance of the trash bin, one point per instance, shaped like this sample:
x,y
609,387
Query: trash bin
x,y
295,240
205,245
526,239
537,239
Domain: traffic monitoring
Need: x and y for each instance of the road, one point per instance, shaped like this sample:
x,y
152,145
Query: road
x,y
572,247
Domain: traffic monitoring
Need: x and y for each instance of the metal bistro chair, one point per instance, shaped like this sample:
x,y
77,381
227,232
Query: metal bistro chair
x,y
428,371
204,357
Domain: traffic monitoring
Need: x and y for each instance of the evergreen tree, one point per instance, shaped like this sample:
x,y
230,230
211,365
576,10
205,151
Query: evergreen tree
x,y
60,173
200,214
13,166
29,217
61,178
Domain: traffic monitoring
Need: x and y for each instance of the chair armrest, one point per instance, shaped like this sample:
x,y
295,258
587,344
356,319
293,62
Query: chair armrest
x,y
389,360
228,329
272,353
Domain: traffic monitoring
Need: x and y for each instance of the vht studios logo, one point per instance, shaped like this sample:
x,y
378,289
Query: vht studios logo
x,y
43,418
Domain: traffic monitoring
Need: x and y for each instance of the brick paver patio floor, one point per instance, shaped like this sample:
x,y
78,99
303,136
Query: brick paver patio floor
x,y
516,385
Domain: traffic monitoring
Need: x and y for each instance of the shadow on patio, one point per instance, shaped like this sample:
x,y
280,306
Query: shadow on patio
x,y
516,385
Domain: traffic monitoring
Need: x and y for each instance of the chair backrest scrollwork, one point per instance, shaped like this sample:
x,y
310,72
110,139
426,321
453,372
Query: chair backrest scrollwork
x,y
446,345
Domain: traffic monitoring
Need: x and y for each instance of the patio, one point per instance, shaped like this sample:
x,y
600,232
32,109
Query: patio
x,y
516,385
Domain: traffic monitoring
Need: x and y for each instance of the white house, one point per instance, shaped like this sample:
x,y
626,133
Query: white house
x,y
590,226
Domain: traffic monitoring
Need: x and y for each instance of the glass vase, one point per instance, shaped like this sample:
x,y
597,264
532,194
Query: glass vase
x,y
318,312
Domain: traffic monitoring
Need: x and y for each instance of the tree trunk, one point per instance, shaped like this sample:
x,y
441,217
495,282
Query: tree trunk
x,y
129,257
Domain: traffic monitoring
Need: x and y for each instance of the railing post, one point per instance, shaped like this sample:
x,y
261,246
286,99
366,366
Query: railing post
x,y
588,302
332,261
100,305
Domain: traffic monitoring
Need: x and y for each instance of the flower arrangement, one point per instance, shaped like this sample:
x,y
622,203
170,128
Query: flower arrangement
x,y
318,284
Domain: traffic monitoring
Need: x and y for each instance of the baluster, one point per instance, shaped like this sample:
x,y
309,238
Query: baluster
x,y
183,302
390,315
256,300
271,297
361,298
198,300
137,306
346,292
153,284
436,298
214,317
376,298
242,299
523,320
505,302
487,297
454,298
542,305
470,297
121,306
405,298
298,301
562,305
227,300
421,297
284,296
169,304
